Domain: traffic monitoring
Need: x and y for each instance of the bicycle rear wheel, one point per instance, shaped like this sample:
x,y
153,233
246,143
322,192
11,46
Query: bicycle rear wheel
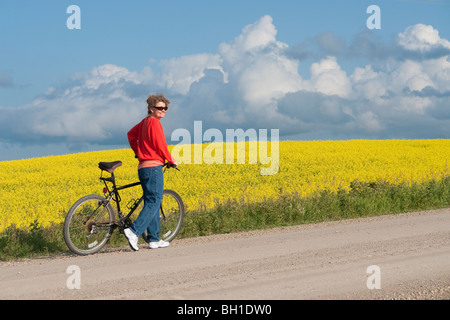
x,y
88,225
171,215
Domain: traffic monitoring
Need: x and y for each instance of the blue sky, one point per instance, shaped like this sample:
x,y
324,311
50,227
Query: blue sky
x,y
309,68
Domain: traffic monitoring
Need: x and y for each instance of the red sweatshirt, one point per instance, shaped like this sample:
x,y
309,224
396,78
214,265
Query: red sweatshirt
x,y
148,142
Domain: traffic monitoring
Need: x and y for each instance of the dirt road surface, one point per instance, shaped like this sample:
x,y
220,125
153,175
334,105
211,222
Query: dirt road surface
x,y
403,256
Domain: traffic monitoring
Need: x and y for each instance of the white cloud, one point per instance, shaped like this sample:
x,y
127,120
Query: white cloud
x,y
410,74
106,74
438,71
254,39
268,78
368,121
368,84
255,60
328,78
422,38
179,73
92,107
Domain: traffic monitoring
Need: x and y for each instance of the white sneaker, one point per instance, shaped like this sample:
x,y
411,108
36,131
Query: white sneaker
x,y
158,244
132,239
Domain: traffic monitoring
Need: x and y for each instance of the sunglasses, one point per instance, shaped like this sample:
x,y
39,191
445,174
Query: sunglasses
x,y
161,108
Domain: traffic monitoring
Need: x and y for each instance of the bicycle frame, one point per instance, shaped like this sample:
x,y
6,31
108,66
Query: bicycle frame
x,y
113,194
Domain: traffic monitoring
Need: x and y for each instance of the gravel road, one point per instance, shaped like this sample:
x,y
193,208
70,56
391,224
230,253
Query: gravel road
x,y
404,256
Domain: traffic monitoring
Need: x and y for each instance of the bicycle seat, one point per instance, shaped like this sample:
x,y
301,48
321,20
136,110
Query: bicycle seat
x,y
109,166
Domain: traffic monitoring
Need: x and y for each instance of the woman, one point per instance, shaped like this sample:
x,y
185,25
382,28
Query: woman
x,y
149,145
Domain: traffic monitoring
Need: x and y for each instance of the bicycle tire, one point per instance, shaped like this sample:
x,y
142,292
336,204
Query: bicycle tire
x,y
172,216
88,225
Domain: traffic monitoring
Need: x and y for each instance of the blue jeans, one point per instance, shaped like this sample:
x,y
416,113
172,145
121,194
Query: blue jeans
x,y
152,182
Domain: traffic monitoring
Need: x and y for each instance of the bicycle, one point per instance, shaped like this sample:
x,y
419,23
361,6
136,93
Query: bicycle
x,y
91,220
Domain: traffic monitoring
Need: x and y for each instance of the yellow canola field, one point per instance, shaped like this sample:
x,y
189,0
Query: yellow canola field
x,y
43,189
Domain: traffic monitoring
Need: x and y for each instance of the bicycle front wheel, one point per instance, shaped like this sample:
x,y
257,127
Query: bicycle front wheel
x,y
88,225
171,215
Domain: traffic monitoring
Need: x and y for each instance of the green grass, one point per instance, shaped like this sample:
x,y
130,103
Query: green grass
x,y
362,200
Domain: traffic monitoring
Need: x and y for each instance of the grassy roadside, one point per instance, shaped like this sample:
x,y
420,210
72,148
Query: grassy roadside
x,y
364,199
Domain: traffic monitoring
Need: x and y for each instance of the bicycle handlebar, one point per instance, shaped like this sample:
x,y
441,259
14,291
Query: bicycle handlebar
x,y
170,165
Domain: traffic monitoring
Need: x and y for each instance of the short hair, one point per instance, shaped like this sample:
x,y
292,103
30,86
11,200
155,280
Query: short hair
x,y
152,100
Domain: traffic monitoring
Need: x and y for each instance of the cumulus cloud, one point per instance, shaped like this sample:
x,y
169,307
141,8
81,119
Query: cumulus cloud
x,y
422,38
91,107
256,64
179,73
402,90
328,78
